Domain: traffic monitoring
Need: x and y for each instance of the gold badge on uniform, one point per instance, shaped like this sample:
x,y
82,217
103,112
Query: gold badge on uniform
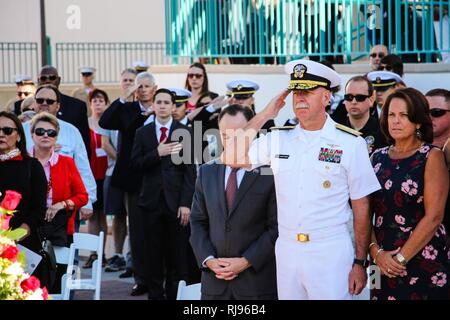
x,y
326,184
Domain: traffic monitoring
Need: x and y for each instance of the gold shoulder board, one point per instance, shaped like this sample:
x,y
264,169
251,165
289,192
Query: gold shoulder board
x,y
348,130
283,128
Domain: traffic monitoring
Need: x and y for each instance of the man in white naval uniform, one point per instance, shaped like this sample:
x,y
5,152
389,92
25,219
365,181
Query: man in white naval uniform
x,y
318,166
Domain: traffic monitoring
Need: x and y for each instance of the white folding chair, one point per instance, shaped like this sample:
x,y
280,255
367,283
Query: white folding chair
x,y
89,242
190,292
62,255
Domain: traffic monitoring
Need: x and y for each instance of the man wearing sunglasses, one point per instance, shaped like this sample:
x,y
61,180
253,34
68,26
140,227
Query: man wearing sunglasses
x,y
24,88
377,53
439,101
71,110
358,101
87,77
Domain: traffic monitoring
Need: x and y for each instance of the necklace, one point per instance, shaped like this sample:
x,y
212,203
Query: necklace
x,y
10,155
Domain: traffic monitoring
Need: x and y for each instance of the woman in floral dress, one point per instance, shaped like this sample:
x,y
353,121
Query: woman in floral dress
x,y
409,244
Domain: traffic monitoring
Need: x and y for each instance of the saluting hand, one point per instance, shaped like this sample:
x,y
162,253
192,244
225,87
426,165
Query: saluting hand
x,y
275,105
165,149
130,92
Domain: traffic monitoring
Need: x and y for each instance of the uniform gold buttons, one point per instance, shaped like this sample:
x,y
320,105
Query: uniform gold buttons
x,y
327,184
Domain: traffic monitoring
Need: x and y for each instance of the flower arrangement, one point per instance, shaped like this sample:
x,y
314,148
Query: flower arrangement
x,y
15,284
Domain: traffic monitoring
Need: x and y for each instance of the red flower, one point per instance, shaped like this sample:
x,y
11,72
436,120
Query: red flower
x,y
399,243
380,235
44,293
430,266
32,283
398,199
392,283
11,200
10,253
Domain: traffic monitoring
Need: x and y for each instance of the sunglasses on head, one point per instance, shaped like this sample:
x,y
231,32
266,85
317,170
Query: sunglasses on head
x,y
195,75
41,131
379,54
7,130
437,113
48,78
358,97
24,93
47,101
86,74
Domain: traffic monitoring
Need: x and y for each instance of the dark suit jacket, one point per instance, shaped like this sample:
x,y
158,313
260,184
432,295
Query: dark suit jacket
x,y
127,118
74,111
249,230
160,174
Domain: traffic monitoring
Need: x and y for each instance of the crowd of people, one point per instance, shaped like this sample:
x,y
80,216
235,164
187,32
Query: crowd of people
x,y
250,210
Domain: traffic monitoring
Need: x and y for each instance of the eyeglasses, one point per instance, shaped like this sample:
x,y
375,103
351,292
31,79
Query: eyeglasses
x,y
7,130
47,101
48,78
437,113
380,55
195,75
358,97
24,93
386,67
86,74
41,131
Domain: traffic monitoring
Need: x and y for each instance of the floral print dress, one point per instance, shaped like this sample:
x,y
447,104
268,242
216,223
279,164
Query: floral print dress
x,y
398,208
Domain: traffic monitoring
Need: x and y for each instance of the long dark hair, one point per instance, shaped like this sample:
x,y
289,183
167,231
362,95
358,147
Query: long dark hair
x,y
22,143
205,87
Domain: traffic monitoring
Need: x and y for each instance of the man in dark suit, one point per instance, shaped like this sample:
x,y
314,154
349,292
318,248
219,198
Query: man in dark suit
x,y
165,196
71,110
127,117
234,224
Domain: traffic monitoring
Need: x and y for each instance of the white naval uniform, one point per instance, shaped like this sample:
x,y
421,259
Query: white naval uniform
x,y
313,193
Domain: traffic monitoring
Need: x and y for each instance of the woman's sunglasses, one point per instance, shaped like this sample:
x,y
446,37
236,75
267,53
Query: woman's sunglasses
x,y
195,75
48,78
358,97
437,113
7,130
41,131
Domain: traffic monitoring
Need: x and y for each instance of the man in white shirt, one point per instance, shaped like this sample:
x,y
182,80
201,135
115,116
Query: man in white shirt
x,y
318,167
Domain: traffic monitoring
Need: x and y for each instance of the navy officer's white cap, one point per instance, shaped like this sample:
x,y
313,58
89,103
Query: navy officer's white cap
x,y
181,95
242,88
140,66
86,69
383,79
21,78
308,75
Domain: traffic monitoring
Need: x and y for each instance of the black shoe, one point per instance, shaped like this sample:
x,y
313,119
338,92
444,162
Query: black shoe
x,y
127,274
138,289
90,261
116,263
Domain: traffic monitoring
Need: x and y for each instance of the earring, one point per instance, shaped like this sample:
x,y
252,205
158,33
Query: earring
x,y
418,134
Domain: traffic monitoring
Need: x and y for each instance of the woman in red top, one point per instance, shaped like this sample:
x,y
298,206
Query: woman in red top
x,y
65,189
98,102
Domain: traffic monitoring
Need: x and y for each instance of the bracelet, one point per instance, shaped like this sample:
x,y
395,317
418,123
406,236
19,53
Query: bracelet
x,y
376,255
371,245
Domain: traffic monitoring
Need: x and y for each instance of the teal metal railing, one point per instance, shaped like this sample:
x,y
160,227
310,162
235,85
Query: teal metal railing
x,y
265,31
18,58
109,58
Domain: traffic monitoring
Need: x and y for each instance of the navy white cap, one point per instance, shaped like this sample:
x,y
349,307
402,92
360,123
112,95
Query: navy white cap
x,y
308,75
140,66
383,80
86,69
181,95
242,89
23,78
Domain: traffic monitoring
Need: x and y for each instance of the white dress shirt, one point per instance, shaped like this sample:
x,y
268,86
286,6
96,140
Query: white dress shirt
x,y
72,145
158,126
